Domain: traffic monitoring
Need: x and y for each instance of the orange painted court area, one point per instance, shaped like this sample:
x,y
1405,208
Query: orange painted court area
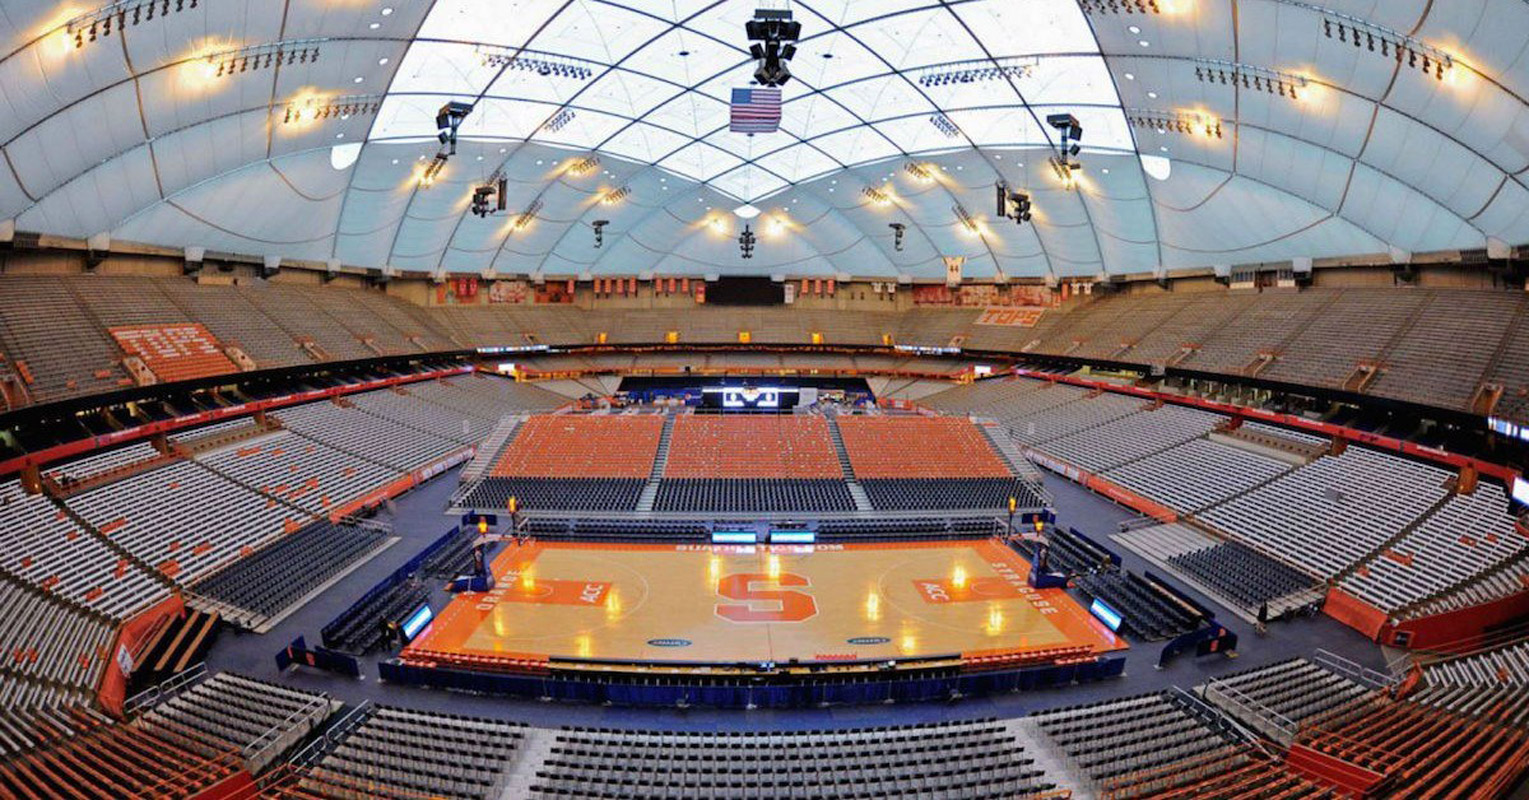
x,y
727,604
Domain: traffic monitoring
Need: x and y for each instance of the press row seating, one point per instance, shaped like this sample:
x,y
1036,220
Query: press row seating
x,y
358,630
280,574
42,546
184,519
1469,535
752,446
557,494
1147,613
703,495
582,446
922,494
429,754
620,529
1242,573
263,719
918,447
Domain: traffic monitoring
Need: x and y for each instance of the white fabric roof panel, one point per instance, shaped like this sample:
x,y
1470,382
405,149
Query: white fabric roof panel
x,y
135,134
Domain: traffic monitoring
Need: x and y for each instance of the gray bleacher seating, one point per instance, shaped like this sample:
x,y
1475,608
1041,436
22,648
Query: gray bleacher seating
x,y
722,494
308,474
261,719
424,754
1196,474
278,575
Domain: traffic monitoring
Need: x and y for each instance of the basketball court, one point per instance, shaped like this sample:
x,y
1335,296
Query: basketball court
x,y
715,604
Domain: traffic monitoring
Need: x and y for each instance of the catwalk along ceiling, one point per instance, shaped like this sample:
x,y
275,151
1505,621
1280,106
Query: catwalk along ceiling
x,y
1215,132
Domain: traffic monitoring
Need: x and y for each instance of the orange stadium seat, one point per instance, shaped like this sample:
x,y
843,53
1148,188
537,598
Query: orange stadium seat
x,y
569,446
752,447
919,447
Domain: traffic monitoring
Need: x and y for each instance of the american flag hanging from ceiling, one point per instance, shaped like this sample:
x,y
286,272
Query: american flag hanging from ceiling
x,y
755,110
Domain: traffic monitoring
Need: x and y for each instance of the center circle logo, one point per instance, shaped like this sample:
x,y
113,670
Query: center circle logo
x,y
669,642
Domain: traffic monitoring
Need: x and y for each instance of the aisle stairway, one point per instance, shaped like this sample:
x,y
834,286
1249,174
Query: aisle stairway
x,y
856,491
649,494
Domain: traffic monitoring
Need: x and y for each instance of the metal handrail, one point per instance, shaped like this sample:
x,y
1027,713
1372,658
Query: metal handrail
x,y
1353,670
157,693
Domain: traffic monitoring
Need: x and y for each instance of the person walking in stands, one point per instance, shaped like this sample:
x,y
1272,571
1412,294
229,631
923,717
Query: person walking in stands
x,y
1263,618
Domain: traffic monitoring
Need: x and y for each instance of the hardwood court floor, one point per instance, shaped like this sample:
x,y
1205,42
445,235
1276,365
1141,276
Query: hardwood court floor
x,y
726,604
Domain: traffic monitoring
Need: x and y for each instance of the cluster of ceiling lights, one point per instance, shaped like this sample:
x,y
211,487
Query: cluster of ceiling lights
x,y
317,108
552,67
1367,35
1185,122
974,72
615,196
524,218
262,56
943,124
1121,6
880,196
583,166
1209,70
968,222
559,120
99,23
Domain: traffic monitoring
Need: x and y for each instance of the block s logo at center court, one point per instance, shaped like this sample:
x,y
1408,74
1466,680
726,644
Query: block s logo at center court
x,y
766,598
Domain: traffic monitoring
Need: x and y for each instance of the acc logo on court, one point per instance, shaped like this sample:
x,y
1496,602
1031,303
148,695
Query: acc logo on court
x,y
669,642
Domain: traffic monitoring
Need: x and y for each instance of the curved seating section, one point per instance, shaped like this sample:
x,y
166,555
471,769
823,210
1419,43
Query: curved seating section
x,y
163,760
1082,414
1099,447
397,752
299,471
377,439
919,447
1116,738
582,446
982,759
262,719
185,520
1468,535
50,650
752,446
1502,666
1197,474
44,547
1354,502
273,578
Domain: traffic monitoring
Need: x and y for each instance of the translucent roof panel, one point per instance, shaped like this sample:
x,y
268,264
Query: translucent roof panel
x,y
652,81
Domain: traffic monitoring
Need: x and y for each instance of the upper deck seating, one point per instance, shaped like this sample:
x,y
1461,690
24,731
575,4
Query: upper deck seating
x,y
1126,439
175,352
919,447
751,446
583,446
1196,474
